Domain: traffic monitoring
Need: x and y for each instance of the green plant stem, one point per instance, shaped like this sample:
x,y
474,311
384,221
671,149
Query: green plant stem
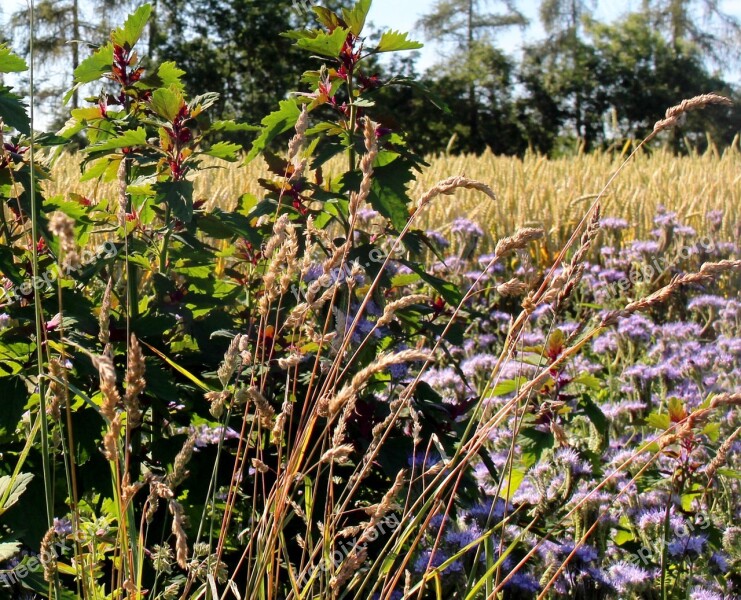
x,y
38,308
165,240
353,117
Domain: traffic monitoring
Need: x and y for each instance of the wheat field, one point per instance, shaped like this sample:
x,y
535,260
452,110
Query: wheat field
x,y
534,190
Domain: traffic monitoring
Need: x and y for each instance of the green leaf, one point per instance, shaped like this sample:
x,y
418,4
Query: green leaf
x,y
327,17
712,430
393,41
170,75
355,18
166,103
324,44
232,126
389,194
447,290
11,62
597,417
224,150
95,66
274,124
11,489
512,484
178,195
128,139
133,27
507,386
13,111
588,380
658,421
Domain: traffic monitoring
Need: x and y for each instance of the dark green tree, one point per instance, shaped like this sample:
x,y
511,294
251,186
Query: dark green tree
x,y
564,92
644,73
234,47
702,22
473,65
63,34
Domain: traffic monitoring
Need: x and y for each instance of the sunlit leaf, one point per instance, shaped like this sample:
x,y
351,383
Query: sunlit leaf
x,y
393,41
355,17
324,44
133,27
11,489
128,139
11,62
274,124
96,65
166,103
224,150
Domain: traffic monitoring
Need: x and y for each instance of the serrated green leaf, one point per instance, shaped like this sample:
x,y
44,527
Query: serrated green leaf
x,y
394,41
170,75
13,111
507,386
11,62
166,103
712,430
178,195
128,139
96,168
404,280
274,124
96,65
224,150
356,16
133,27
658,421
11,489
327,17
588,380
324,44
389,195
232,126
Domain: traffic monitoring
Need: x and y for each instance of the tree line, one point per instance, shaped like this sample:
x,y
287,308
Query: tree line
x,y
586,85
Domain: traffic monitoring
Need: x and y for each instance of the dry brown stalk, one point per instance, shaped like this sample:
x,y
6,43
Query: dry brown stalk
x,y
708,272
178,530
449,185
673,114
122,196
57,390
390,310
63,227
135,382
265,412
366,168
179,470
345,398
104,334
519,240
49,555
721,456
